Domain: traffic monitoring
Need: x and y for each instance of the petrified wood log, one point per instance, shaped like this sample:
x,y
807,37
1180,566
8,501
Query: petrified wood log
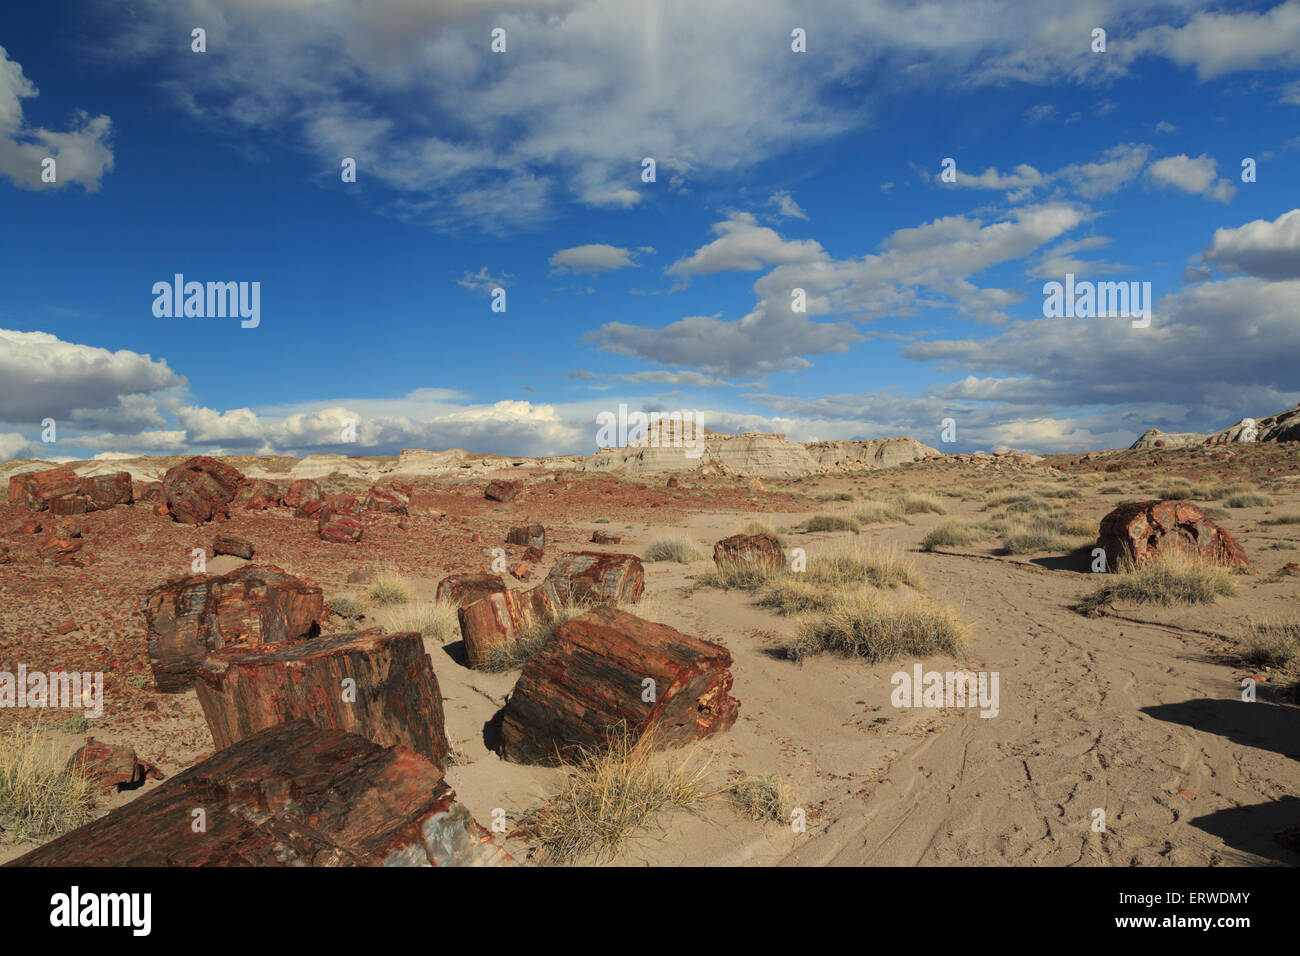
x,y
304,496
1141,531
339,519
499,490
105,491
531,536
385,501
36,489
598,577
501,617
762,550
228,544
593,679
469,587
256,494
188,618
111,765
200,489
380,686
293,795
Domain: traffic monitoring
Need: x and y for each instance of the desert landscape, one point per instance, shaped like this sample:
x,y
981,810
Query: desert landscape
x,y
1118,692
572,435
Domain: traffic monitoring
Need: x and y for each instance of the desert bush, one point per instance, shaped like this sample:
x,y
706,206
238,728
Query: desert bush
x,y
879,512
794,595
1173,578
830,523
763,798
859,625
955,534
435,620
1291,517
880,567
680,550
350,609
911,503
1273,643
1247,499
39,797
611,792
390,587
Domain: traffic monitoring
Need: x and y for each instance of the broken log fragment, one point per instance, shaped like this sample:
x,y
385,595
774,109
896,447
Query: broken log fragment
x,y
380,686
292,795
598,577
189,617
609,669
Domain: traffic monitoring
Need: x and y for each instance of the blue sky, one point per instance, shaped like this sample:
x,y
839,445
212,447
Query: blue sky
x,y
522,170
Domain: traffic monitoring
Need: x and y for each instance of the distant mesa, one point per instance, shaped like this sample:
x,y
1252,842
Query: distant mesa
x,y
1284,426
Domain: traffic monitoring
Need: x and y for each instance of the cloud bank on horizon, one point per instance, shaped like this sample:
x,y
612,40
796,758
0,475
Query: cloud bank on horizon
x,y
481,225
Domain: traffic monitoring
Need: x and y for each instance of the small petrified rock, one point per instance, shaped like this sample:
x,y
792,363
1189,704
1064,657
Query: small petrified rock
x,y
499,490
758,549
237,547
200,489
533,536
111,765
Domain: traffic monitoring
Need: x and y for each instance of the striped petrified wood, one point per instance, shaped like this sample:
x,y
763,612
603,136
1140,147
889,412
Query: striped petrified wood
x,y
594,679
380,686
292,795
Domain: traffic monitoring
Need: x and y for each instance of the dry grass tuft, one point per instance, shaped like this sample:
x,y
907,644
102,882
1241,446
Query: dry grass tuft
x,y
680,550
1172,579
611,793
38,796
859,625
433,620
1273,643
763,798
390,587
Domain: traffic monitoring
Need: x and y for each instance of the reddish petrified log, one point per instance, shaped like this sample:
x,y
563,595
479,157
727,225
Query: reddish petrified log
x,y
1141,531
600,537
256,494
530,536
304,496
380,686
151,492
36,489
71,505
597,577
58,548
595,679
499,490
385,501
502,617
111,765
188,618
105,491
339,520
462,589
200,489
757,549
293,795
227,544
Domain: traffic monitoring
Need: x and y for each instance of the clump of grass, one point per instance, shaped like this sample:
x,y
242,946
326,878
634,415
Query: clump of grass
x,y
836,496
1027,506
39,796
1273,644
1173,578
992,501
348,608
758,527
879,512
883,568
742,575
763,798
1292,517
956,534
795,595
611,793
680,550
859,625
1248,499
601,521
512,655
910,503
434,620
1205,492
390,588
830,523
76,724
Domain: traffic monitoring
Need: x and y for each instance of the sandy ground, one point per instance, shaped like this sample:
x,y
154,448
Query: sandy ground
x,y
1137,715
